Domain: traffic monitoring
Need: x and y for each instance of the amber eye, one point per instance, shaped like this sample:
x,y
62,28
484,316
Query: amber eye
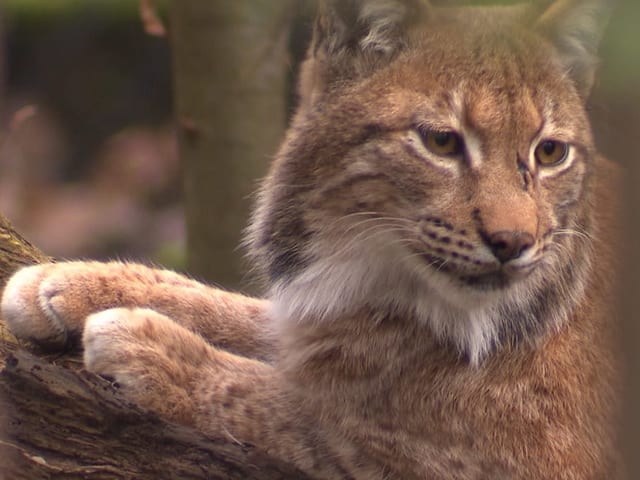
x,y
447,144
551,152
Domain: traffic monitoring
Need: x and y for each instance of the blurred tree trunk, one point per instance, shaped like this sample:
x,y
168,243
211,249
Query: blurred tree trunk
x,y
229,62
58,421
620,121
3,64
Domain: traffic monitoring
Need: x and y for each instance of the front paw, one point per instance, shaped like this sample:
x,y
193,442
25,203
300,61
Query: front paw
x,y
116,347
29,304
152,359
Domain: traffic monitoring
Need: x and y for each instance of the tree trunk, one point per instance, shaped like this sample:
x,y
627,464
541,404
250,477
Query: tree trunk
x,y
230,78
60,422
620,77
3,62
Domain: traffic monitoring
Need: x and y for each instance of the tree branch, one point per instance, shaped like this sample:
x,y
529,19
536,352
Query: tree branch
x,y
58,421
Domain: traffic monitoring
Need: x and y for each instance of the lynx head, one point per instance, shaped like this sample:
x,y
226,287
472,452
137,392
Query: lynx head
x,y
438,169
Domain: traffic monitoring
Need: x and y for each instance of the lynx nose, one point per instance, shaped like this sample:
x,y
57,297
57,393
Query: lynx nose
x,y
509,245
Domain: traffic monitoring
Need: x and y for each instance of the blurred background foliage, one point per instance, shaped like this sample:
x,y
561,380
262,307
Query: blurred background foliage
x,y
38,8
89,163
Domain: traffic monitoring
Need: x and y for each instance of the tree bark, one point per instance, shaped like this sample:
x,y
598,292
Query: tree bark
x,y
58,421
229,69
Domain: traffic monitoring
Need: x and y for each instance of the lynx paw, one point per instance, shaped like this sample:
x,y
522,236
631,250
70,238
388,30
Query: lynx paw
x,y
108,343
147,354
29,307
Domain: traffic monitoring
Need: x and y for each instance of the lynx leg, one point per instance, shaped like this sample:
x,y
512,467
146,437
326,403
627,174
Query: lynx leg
x,y
158,364
49,303
175,373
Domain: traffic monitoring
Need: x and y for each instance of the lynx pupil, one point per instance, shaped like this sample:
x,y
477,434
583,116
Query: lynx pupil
x,y
443,143
551,152
549,148
442,139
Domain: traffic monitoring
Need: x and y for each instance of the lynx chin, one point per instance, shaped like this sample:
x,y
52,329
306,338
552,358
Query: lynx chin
x,y
437,237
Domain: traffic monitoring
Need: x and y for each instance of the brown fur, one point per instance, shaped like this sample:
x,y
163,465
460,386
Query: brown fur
x,y
396,341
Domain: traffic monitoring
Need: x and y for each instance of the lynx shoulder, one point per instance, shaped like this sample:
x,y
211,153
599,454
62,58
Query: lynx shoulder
x,y
437,235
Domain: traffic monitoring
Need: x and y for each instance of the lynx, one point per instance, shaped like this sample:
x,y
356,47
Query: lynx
x,y
437,234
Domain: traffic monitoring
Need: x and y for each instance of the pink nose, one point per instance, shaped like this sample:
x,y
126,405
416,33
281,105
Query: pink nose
x,y
509,245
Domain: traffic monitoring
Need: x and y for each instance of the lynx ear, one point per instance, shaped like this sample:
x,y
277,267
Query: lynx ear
x,y
352,37
376,27
576,27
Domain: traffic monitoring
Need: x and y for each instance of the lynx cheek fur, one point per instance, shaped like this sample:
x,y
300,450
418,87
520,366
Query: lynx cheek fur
x,y
437,233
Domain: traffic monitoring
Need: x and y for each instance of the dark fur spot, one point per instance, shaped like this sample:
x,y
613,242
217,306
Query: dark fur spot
x,y
437,262
457,466
285,264
372,129
465,245
283,244
238,390
541,391
523,168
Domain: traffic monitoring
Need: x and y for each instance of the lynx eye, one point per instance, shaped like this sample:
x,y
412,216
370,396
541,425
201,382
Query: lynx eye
x,y
443,143
551,152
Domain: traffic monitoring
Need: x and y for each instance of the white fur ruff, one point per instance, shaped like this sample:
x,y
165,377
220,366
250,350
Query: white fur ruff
x,y
381,276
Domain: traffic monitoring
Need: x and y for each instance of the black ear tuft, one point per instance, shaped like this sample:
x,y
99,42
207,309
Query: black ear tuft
x,y
372,26
576,27
352,37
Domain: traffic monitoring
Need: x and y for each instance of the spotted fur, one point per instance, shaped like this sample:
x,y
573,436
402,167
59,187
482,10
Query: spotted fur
x,y
335,199
437,234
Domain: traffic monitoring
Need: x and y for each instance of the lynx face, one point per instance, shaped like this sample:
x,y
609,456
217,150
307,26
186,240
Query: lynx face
x,y
439,170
